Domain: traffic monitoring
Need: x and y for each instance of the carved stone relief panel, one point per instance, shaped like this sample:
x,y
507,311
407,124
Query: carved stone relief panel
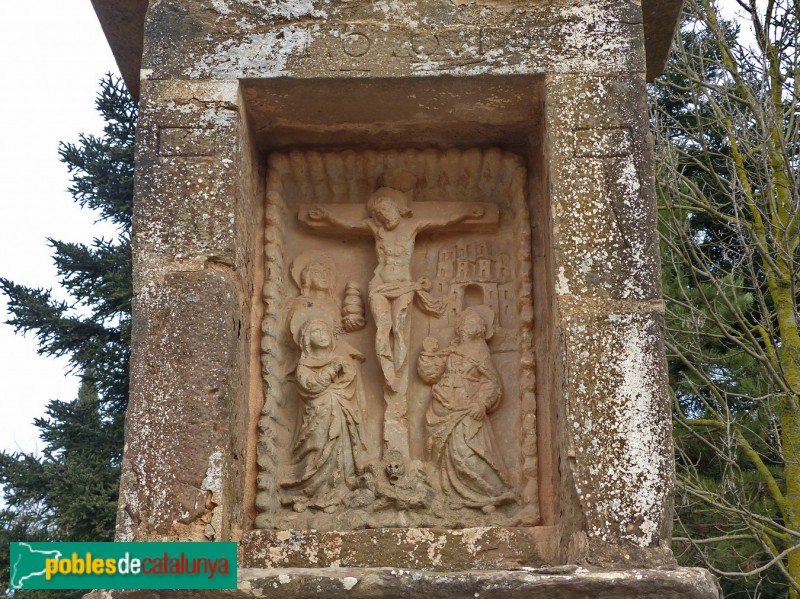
x,y
397,342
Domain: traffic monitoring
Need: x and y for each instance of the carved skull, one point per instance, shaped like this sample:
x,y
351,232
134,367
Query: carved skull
x,y
395,467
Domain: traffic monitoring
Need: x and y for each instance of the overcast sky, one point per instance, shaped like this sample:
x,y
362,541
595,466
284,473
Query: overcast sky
x,y
53,56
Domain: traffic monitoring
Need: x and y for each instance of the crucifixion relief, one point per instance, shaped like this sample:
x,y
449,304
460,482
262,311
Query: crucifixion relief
x,y
395,222
403,344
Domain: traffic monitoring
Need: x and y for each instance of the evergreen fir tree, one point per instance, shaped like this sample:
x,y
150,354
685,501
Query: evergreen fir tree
x,y
69,492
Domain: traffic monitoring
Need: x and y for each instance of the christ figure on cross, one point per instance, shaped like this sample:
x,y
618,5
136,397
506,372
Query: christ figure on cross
x,y
395,222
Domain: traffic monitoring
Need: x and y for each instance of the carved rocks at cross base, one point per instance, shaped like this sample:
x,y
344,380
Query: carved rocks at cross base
x,y
351,435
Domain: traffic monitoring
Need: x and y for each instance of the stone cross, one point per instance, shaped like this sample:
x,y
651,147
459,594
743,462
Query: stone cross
x,y
395,222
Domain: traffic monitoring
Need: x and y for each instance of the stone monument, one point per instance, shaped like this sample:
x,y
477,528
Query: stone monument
x,y
397,315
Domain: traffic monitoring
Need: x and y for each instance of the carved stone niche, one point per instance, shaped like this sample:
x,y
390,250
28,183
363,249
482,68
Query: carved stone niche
x,y
397,348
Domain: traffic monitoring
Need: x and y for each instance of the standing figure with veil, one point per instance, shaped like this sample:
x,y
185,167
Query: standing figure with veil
x,y
328,449
466,387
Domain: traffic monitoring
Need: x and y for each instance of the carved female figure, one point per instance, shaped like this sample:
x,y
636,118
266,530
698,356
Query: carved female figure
x,y
465,388
327,453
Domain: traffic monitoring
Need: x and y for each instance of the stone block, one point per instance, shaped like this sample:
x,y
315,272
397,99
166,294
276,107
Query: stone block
x,y
123,25
185,215
603,207
570,582
189,197
179,447
619,424
415,548
238,40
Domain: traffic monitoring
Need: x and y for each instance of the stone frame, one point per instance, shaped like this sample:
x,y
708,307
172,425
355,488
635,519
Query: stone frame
x,y
206,124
